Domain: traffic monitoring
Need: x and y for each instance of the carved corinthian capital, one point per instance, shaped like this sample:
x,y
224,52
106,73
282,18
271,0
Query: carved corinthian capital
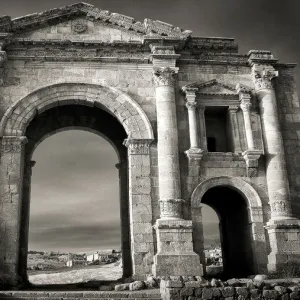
x,y
12,144
191,105
138,146
164,76
262,76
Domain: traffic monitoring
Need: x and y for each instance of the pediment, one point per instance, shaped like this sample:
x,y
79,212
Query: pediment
x,y
85,19
211,87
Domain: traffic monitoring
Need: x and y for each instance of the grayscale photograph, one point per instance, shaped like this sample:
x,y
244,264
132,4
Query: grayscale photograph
x,y
150,150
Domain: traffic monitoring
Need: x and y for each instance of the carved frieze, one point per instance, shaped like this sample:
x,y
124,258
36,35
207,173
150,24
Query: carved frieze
x,y
71,53
138,146
12,144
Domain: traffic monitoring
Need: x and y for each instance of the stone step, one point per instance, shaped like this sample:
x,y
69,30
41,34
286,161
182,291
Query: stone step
x,y
76,295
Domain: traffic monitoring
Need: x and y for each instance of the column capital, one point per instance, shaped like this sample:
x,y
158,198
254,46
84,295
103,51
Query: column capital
x,y
138,146
243,92
246,106
12,143
233,109
194,154
164,76
262,76
191,105
190,95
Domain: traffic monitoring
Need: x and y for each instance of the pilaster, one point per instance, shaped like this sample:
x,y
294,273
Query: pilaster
x,y
283,228
140,207
11,187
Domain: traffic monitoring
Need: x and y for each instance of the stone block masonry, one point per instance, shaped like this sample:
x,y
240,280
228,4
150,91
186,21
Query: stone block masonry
x,y
153,90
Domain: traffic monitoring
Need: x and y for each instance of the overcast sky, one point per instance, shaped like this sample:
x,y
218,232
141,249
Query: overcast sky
x,y
74,192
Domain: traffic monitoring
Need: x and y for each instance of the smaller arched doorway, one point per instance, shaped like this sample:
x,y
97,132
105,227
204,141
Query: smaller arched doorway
x,y
242,235
235,230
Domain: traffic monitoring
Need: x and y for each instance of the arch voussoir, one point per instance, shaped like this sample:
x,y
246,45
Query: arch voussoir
x,y
126,110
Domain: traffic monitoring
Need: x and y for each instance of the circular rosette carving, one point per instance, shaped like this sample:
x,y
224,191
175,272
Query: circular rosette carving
x,y
171,208
79,26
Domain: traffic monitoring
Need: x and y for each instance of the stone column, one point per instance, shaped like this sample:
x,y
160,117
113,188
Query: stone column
x,y
194,154
175,255
251,155
234,128
11,188
167,144
283,229
25,213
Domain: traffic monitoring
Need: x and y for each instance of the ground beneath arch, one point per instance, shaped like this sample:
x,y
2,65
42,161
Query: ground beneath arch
x,y
96,273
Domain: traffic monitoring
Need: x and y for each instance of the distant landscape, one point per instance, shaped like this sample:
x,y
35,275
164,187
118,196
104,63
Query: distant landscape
x,y
51,267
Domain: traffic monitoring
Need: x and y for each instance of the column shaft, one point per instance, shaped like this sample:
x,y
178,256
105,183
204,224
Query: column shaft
x,y
248,128
203,138
276,173
193,128
234,129
167,144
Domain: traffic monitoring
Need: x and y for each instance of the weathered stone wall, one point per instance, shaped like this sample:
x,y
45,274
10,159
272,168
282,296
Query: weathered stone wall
x,y
192,289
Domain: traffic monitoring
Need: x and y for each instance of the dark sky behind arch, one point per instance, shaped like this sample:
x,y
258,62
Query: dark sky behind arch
x,y
255,24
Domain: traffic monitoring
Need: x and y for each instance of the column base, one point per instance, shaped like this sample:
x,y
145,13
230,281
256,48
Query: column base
x,y
175,256
284,238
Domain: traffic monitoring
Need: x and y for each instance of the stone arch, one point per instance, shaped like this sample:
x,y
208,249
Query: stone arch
x,y
119,104
255,215
250,195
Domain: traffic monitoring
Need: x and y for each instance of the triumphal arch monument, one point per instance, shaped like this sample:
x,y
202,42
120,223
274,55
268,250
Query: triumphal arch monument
x,y
193,122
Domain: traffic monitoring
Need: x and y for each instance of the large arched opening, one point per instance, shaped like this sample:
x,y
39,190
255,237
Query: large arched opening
x,y
70,117
101,110
239,211
74,216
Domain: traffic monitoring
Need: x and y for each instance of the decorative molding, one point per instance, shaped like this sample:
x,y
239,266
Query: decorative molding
x,y
194,154
261,57
262,76
80,26
251,157
12,144
138,146
280,208
212,87
164,76
73,52
191,105
246,106
69,12
233,109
